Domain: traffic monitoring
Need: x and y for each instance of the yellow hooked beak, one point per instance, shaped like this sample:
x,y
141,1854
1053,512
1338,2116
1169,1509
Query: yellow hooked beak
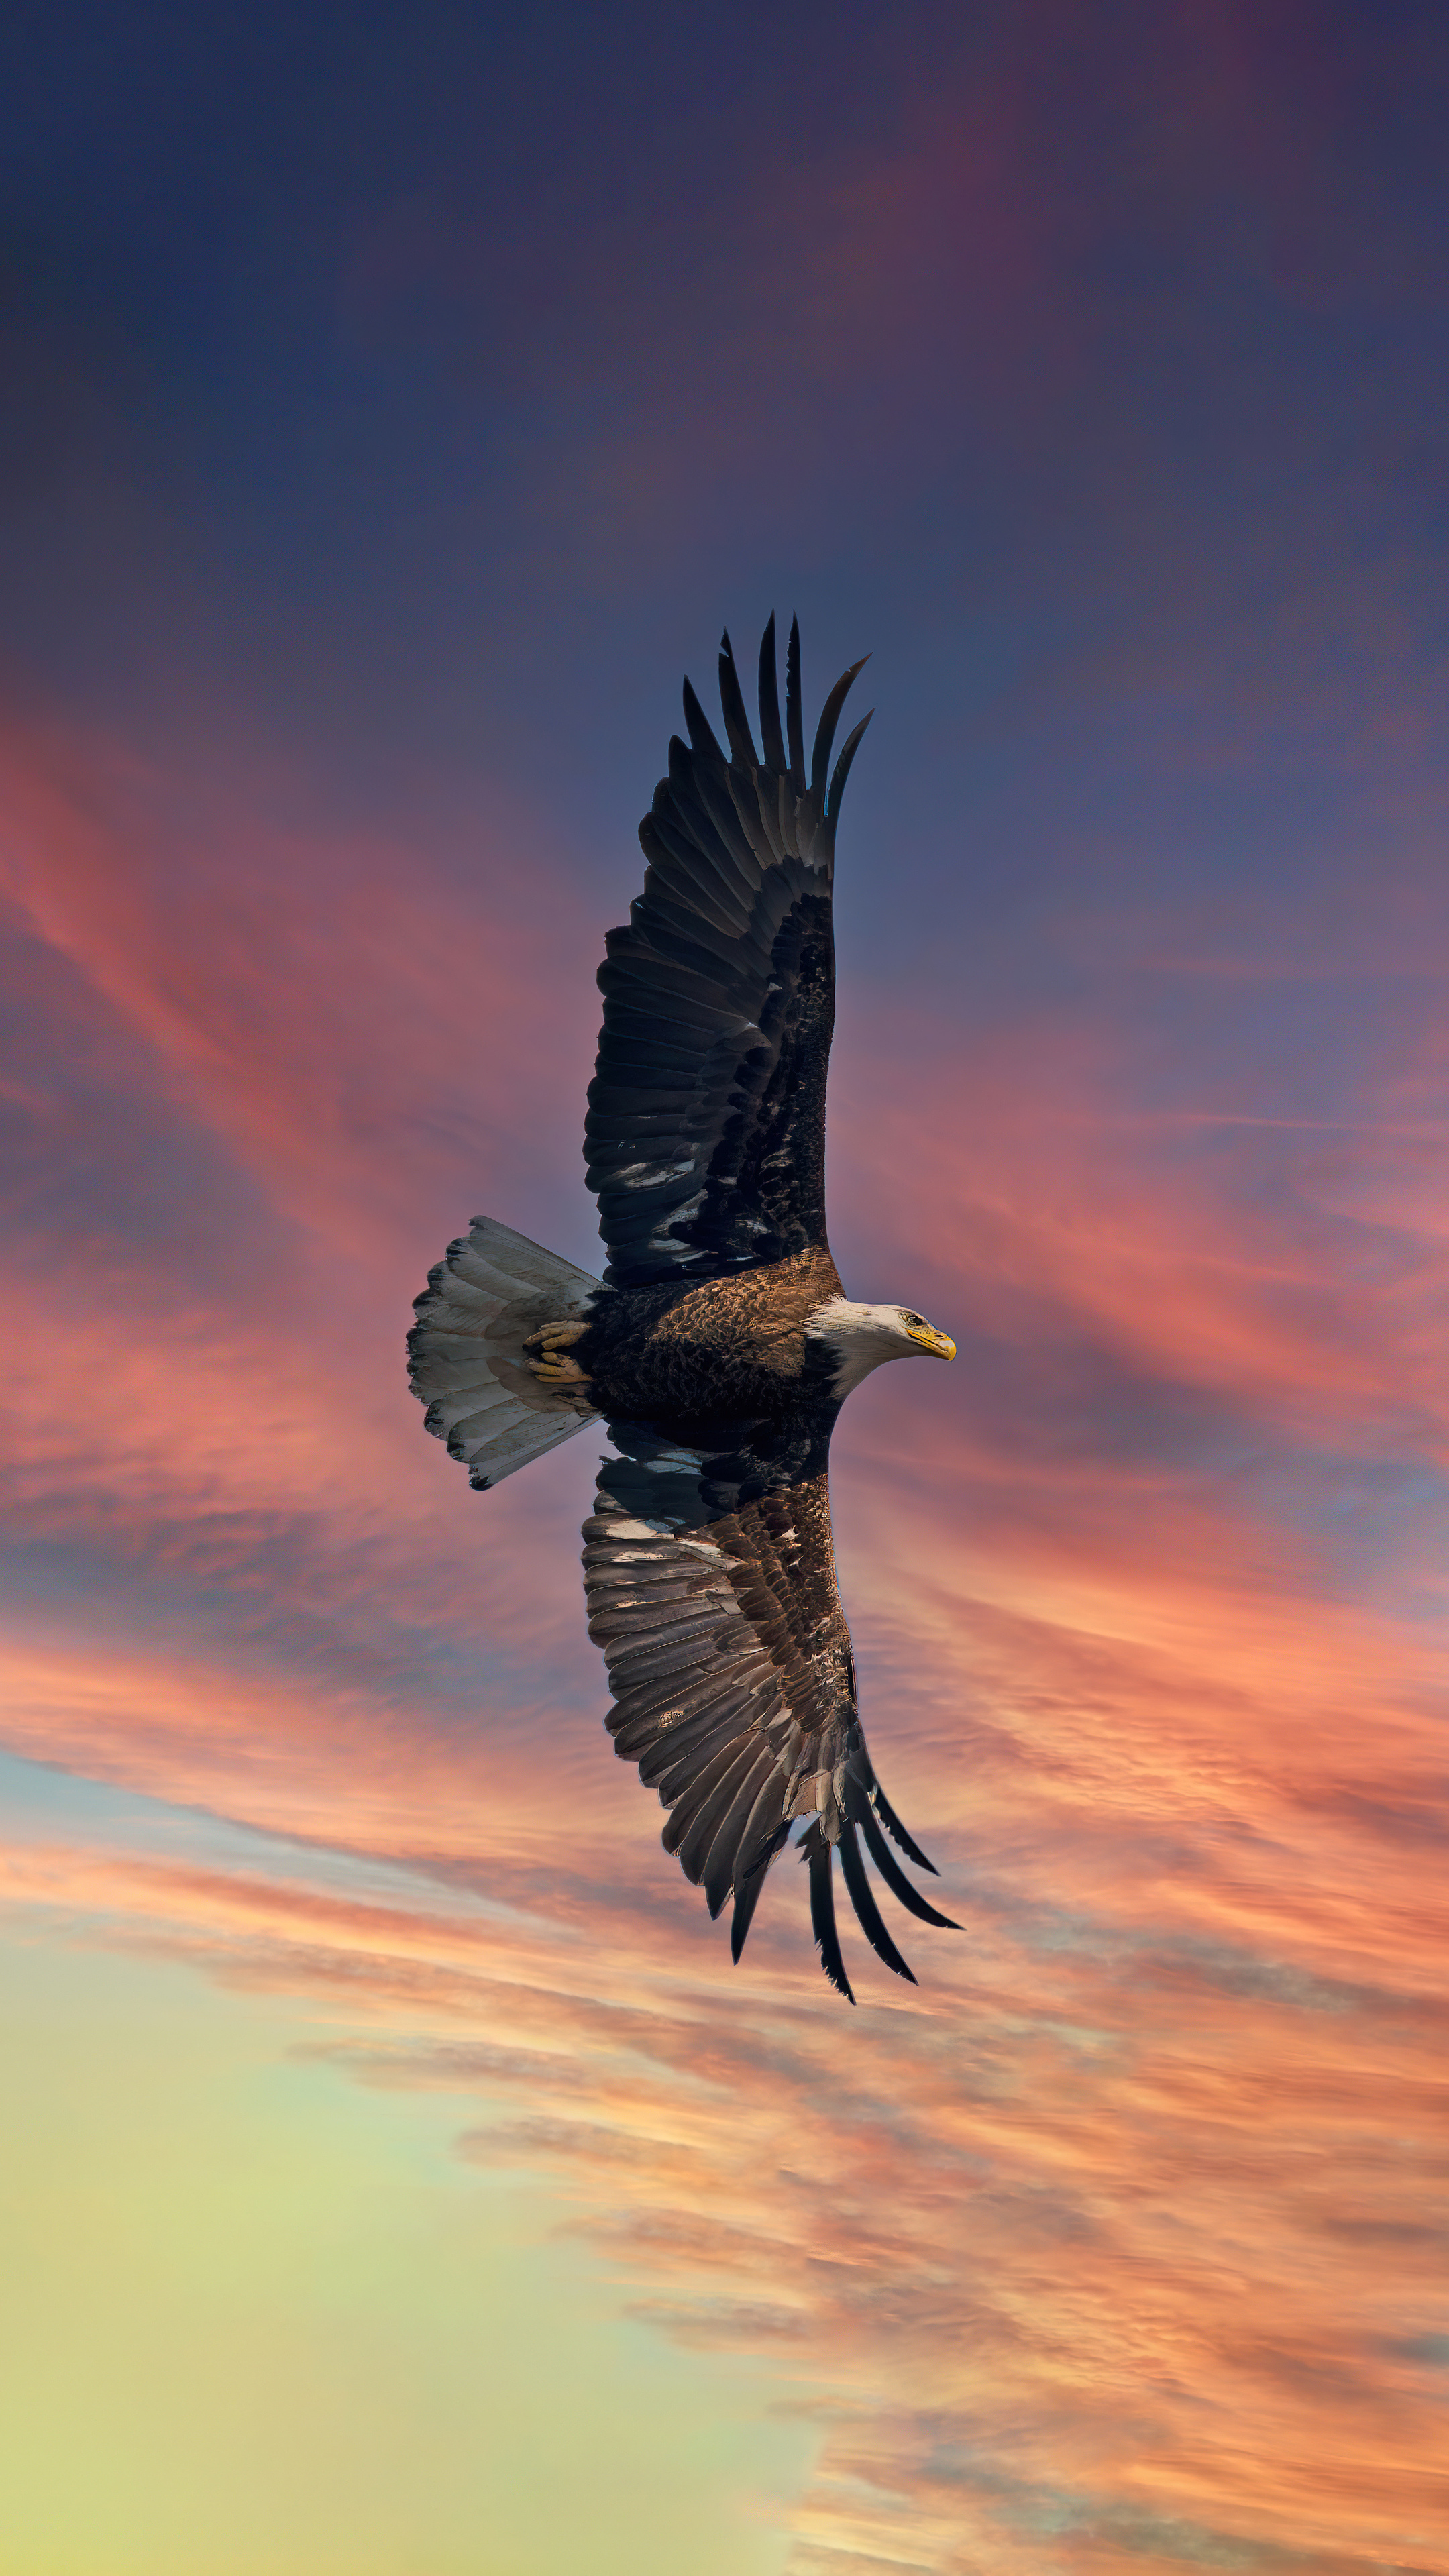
x,y
931,1340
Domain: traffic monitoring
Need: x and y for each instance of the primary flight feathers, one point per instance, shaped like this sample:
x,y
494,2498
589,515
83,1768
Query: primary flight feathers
x,y
705,1134
719,1345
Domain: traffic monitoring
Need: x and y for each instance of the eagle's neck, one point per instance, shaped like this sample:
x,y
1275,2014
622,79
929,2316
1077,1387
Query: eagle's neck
x,y
857,1339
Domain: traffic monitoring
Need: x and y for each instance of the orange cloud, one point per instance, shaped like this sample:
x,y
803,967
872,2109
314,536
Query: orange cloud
x,y
1116,2242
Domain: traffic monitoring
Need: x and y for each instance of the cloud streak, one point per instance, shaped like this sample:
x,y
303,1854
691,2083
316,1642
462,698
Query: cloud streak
x,y
1119,2237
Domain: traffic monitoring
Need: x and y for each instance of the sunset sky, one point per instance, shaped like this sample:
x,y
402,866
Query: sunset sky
x,y
399,2181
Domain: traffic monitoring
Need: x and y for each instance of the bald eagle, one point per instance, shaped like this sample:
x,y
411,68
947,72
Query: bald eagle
x,y
718,1347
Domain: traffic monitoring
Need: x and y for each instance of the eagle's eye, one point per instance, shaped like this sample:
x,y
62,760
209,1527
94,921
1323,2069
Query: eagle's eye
x,y
911,1319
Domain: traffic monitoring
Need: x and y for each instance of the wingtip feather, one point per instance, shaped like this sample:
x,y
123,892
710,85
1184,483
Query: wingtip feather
x,y
770,733
893,1874
794,718
848,750
825,730
867,1911
750,1887
816,1851
701,732
731,698
898,1833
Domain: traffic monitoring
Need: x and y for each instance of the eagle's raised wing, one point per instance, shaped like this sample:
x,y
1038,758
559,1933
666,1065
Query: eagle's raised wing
x,y
705,1137
734,1683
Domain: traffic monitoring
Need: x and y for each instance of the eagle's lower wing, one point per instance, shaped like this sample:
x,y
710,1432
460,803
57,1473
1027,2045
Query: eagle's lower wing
x,y
705,1137
734,1684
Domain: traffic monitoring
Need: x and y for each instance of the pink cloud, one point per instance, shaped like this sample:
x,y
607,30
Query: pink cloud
x,y
1086,2233
1123,2217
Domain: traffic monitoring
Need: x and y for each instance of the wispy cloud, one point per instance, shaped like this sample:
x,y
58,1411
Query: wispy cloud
x,y
1115,2238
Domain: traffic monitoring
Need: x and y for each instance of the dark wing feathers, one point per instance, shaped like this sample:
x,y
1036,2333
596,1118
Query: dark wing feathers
x,y
848,750
825,730
816,1851
737,723
899,1835
867,1910
892,1872
701,732
733,1680
794,720
770,734
719,999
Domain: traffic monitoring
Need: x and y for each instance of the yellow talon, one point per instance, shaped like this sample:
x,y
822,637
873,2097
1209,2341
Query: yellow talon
x,y
554,1337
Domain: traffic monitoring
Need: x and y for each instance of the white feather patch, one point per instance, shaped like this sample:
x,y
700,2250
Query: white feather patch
x,y
468,1363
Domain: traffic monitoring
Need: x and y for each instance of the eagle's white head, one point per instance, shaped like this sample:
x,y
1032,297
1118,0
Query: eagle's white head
x,y
862,1337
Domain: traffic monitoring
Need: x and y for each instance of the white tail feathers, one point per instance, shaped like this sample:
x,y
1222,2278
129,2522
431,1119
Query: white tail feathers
x,y
466,1357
